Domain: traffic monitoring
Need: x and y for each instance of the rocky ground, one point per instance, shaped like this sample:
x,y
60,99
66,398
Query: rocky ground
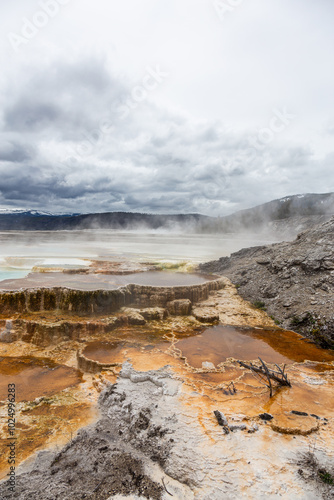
x,y
287,229
157,437
292,281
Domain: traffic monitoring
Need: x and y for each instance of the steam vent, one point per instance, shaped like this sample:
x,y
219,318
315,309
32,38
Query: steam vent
x,y
129,383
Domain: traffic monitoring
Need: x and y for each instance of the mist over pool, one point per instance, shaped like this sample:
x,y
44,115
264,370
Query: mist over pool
x,y
21,251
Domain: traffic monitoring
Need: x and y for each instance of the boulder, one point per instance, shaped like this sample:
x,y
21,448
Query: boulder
x,y
133,317
206,314
179,307
153,313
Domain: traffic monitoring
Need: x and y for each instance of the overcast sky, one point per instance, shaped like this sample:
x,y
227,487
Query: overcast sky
x,y
164,105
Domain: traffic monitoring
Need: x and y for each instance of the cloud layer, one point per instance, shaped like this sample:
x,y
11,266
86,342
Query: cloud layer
x,y
81,131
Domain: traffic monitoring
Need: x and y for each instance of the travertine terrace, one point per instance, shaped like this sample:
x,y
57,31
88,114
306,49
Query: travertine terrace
x,y
147,340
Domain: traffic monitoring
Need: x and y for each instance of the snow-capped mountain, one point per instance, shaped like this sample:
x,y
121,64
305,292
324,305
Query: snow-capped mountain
x,y
32,213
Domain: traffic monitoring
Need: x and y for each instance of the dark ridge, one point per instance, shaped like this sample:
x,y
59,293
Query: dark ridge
x,y
289,209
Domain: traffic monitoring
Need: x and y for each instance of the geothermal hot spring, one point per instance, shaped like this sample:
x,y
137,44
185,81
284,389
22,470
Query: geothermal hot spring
x,y
75,306
21,252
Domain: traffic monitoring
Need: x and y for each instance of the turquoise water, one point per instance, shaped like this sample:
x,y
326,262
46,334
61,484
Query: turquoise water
x,y
10,274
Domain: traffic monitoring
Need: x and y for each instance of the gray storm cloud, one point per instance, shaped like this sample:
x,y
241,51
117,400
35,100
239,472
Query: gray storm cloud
x,y
109,128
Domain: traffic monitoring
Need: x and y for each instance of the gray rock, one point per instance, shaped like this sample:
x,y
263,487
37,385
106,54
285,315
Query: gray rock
x,y
221,419
237,427
266,416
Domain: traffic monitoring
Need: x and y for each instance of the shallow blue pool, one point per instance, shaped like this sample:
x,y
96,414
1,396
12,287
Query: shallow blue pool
x,y
10,274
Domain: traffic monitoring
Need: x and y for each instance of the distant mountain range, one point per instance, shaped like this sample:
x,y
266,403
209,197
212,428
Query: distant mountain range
x,y
306,206
34,221
289,207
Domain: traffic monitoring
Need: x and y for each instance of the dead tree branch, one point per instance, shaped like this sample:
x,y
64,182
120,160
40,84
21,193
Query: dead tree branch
x,y
270,375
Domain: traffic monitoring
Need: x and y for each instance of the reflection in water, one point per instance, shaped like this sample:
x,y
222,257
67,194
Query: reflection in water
x,y
218,343
34,377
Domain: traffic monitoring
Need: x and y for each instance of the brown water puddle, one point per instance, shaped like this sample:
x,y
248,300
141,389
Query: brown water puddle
x,y
34,377
216,344
117,352
104,352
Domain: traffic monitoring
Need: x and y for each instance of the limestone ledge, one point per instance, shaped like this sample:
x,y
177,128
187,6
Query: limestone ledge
x,y
91,302
43,333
